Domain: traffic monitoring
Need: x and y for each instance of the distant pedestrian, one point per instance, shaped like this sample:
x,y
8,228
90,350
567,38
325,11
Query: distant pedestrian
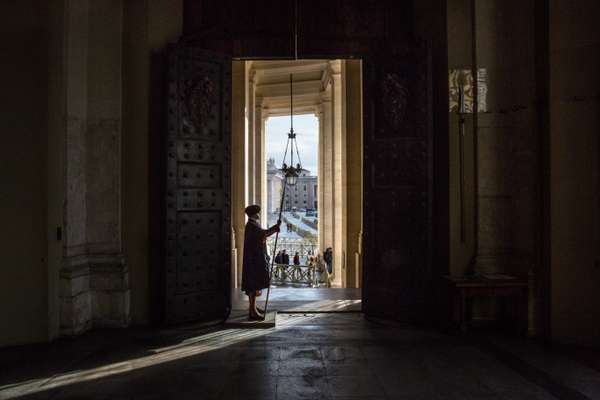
x,y
328,258
297,259
285,258
278,258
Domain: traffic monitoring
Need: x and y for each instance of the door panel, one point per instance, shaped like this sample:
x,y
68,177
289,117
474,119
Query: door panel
x,y
197,270
398,184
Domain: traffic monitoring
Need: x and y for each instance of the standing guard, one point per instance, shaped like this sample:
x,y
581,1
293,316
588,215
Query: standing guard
x,y
255,268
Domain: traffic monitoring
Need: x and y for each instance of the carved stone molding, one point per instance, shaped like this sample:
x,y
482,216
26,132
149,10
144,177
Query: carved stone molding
x,y
94,292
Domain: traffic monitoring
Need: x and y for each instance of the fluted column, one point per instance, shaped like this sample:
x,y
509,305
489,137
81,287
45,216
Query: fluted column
x,y
327,156
320,178
251,143
260,177
339,171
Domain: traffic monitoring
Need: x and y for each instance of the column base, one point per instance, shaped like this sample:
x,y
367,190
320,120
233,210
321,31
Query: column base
x,y
94,292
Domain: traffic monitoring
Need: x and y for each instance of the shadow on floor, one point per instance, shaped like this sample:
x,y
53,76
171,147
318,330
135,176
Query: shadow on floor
x,y
314,356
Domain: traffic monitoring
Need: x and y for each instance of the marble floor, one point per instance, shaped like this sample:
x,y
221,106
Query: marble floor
x,y
306,356
304,299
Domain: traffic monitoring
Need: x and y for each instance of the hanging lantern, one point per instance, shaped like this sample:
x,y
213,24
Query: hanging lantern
x,y
290,172
291,175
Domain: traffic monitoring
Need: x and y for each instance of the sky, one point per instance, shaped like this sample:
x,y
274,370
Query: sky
x,y
306,128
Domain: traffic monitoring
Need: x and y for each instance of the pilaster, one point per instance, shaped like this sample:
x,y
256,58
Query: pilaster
x,y
259,158
238,154
339,171
94,279
320,177
326,207
75,311
251,141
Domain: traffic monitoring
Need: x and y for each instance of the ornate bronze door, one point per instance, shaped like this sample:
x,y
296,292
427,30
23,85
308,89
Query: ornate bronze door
x,y
397,184
197,187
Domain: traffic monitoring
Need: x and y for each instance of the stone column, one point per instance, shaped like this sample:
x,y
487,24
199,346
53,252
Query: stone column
x,y
353,178
263,163
251,142
75,299
320,180
327,189
238,218
109,278
506,144
94,279
506,139
339,171
259,177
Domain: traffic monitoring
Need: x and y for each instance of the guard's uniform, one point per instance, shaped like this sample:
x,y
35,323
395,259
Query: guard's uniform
x,y
255,268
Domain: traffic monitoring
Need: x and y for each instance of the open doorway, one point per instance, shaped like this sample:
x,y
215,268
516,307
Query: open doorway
x,y
322,214
214,165
298,242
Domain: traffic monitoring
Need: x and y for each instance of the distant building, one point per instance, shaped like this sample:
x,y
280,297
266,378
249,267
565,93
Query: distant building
x,y
302,195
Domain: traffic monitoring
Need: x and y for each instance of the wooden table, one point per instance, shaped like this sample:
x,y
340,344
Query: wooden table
x,y
463,289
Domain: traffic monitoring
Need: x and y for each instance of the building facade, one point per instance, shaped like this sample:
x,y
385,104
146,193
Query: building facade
x,y
302,195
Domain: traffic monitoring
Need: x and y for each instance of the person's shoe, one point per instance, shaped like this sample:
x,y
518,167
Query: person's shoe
x,y
255,317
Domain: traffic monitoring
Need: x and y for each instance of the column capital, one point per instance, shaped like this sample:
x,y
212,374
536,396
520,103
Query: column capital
x,y
326,78
335,66
252,76
336,77
319,109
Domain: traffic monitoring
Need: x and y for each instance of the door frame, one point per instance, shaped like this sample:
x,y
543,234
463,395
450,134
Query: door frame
x,y
367,51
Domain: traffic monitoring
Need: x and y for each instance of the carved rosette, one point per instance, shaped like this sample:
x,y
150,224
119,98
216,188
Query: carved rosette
x,y
199,97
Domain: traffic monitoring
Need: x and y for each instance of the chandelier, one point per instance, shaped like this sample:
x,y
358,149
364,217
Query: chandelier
x,y
291,172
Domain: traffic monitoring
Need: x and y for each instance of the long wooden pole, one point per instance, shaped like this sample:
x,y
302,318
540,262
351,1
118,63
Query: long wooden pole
x,y
275,246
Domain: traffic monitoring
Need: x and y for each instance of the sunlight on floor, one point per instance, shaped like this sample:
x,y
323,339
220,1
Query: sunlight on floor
x,y
328,306
187,348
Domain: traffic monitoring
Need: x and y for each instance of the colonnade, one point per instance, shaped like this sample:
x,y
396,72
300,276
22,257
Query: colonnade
x,y
326,99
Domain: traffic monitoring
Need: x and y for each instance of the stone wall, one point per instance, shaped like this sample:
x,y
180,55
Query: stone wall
x,y
94,280
495,226
574,55
354,173
460,58
507,138
23,199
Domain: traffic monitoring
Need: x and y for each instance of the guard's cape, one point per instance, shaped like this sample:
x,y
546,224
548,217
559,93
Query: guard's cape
x,y
255,268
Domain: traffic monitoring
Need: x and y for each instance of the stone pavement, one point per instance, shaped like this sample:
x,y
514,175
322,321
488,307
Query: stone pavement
x,y
284,299
307,356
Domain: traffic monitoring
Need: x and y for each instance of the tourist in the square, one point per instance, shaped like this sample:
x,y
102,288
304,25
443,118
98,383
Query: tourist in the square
x,y
297,258
255,268
324,276
285,257
328,258
278,258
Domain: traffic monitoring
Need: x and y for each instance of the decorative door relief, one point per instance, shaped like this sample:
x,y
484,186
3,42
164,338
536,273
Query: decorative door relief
x,y
398,185
197,198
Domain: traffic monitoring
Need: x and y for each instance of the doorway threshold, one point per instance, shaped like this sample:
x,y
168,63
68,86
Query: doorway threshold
x,y
304,300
